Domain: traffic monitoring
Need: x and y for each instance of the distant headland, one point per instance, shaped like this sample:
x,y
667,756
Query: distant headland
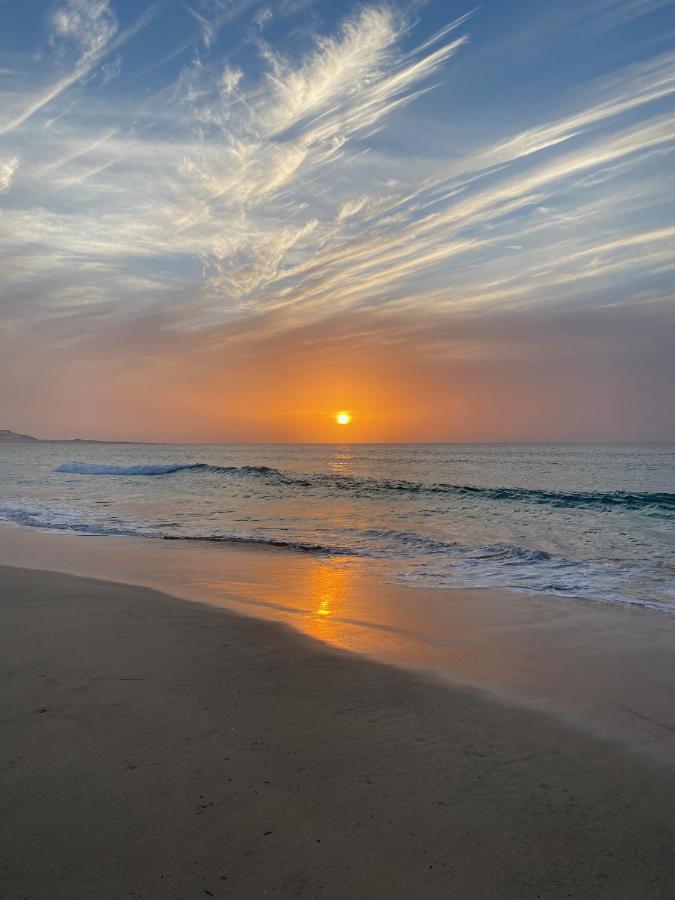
x,y
13,437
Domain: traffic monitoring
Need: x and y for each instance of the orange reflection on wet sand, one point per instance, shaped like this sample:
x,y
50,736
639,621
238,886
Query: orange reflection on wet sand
x,y
537,650
327,586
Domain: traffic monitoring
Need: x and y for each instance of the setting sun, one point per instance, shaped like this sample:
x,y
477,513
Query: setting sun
x,y
343,418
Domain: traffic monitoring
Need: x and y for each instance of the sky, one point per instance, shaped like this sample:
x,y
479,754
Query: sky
x,y
230,219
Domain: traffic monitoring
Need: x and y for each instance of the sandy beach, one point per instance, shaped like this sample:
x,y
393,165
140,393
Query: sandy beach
x,y
155,747
337,450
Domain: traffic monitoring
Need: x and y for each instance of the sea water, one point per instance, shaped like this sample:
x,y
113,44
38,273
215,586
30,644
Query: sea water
x,y
590,521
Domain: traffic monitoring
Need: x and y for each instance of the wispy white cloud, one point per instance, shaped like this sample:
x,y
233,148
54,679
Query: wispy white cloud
x,y
614,13
111,69
263,183
263,17
7,169
208,29
91,26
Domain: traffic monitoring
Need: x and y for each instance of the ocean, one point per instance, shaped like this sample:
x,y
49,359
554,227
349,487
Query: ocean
x,y
568,520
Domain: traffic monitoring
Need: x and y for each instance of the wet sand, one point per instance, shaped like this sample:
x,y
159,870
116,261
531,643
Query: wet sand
x,y
154,747
605,668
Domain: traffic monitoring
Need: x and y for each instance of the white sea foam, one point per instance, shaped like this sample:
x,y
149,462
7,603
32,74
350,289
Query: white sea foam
x,y
594,522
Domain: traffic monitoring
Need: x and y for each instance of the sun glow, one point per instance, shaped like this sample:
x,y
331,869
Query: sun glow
x,y
343,418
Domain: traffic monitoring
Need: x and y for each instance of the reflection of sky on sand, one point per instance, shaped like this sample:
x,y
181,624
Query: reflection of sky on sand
x,y
337,601
475,634
538,650
328,586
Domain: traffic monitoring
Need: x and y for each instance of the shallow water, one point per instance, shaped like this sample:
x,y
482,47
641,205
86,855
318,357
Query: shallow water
x,y
594,521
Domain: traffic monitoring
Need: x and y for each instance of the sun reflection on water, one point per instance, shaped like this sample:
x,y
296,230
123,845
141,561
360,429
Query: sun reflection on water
x,y
342,461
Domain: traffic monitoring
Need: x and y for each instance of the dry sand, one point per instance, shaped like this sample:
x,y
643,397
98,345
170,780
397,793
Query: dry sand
x,y
157,748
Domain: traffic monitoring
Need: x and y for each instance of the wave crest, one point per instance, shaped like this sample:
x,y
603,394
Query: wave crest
x,y
78,468
660,502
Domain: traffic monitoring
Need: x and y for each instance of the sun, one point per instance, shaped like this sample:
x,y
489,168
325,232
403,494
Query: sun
x,y
343,418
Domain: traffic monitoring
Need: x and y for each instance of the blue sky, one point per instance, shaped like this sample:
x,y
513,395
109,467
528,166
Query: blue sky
x,y
445,198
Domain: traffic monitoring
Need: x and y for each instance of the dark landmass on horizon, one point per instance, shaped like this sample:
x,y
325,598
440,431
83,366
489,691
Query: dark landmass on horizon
x,y
13,437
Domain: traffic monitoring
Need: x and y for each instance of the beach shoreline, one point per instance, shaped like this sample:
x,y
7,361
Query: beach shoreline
x,y
158,748
604,669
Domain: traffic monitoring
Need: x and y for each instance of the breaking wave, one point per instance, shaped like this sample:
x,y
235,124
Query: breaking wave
x,y
77,468
658,502
50,519
417,559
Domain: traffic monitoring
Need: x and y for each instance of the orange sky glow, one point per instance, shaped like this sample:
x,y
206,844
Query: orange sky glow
x,y
368,208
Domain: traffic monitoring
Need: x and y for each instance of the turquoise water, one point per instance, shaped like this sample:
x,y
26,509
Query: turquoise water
x,y
594,521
